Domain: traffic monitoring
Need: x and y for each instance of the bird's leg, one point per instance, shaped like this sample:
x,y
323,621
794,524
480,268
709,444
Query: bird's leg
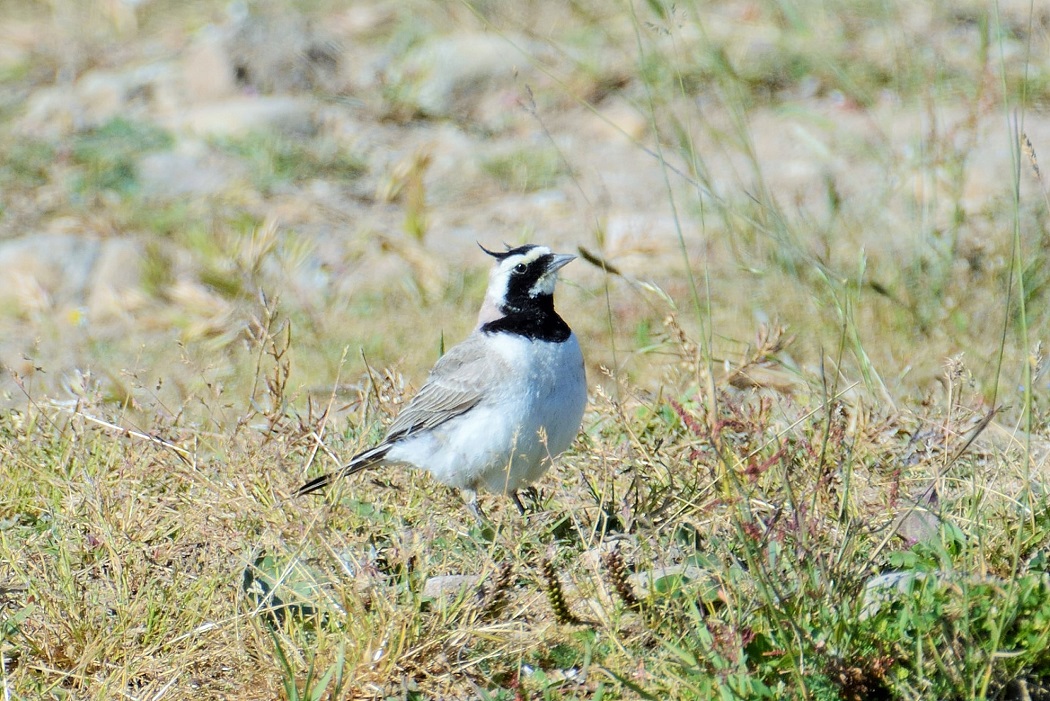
x,y
517,502
471,497
529,493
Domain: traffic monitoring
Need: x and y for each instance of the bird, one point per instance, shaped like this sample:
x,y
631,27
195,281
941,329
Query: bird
x,y
501,405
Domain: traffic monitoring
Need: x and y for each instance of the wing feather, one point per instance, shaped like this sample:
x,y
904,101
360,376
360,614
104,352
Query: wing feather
x,y
458,382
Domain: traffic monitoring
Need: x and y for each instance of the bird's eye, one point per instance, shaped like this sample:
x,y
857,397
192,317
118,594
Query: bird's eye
x,y
520,268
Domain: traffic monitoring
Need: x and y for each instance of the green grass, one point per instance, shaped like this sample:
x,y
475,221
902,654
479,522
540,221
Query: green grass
x,y
526,169
26,163
275,160
107,155
747,512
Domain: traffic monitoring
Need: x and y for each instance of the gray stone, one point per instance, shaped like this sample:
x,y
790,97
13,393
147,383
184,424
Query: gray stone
x,y
96,98
207,69
115,287
45,272
281,52
644,582
451,75
189,169
239,116
50,113
449,585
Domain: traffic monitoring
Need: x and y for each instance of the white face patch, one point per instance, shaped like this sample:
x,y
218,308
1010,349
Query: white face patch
x,y
499,278
545,285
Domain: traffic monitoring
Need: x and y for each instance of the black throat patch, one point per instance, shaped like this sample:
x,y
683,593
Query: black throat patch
x,y
532,317
537,321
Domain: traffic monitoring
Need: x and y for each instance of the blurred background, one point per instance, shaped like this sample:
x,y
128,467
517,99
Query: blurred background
x,y
183,182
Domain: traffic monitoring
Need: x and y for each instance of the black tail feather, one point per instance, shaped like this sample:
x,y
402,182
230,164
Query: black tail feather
x,y
317,483
361,461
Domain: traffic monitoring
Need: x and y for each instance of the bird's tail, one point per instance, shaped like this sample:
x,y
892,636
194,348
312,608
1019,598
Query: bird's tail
x,y
361,461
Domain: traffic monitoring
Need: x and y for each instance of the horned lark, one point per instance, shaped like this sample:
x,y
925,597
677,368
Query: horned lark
x,y
500,406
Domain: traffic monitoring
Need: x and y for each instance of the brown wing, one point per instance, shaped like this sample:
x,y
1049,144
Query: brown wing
x,y
457,383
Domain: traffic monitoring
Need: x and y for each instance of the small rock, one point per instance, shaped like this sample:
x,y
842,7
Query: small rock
x,y
207,69
189,169
282,52
645,582
96,98
451,75
240,116
116,280
44,271
104,95
50,113
449,585
101,95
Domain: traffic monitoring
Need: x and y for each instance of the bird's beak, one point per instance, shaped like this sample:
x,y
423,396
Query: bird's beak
x,y
560,261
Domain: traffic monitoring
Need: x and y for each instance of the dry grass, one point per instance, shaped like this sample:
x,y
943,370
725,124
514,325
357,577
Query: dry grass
x,y
169,563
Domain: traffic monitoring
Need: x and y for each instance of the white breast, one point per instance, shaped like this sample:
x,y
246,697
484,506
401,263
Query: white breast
x,y
510,438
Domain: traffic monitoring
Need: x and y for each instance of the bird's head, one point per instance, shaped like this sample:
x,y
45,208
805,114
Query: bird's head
x,y
522,277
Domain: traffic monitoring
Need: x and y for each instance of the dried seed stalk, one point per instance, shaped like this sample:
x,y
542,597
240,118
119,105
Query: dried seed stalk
x,y
494,595
617,575
556,595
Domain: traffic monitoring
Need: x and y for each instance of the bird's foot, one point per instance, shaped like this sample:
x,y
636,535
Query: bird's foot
x,y
529,493
471,498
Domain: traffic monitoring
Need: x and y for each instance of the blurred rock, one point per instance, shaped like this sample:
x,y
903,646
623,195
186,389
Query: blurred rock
x,y
115,285
451,75
366,20
260,52
17,41
619,120
50,113
189,169
448,585
40,270
282,52
46,272
239,116
96,98
630,233
207,68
